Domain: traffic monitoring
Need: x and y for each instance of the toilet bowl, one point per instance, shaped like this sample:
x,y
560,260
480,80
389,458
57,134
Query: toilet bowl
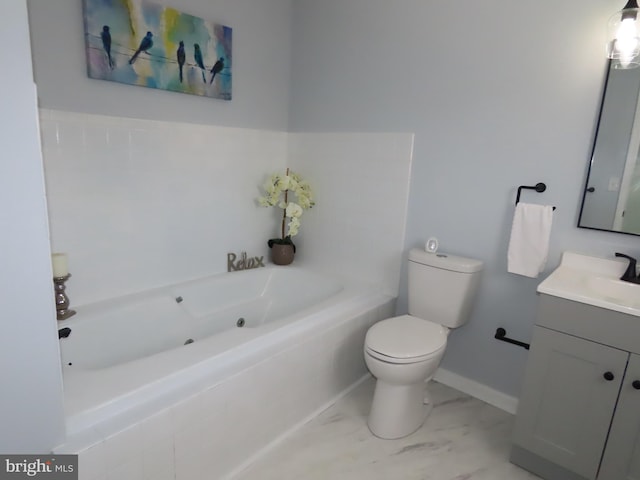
x,y
403,352
400,405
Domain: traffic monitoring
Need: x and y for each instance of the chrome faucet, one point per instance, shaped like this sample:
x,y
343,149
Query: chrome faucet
x,y
630,274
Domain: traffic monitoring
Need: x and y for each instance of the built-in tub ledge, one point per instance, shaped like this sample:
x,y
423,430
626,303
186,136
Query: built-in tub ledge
x,y
181,352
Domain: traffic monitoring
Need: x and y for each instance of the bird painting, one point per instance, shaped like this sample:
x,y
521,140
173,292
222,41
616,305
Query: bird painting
x,y
145,45
181,58
197,54
217,68
106,43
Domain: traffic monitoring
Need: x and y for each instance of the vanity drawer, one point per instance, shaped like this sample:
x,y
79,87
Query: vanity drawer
x,y
600,325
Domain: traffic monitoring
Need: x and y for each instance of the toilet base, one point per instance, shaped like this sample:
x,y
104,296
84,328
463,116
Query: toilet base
x,y
397,410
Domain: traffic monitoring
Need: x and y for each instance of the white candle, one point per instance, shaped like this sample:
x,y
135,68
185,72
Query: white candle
x,y
60,267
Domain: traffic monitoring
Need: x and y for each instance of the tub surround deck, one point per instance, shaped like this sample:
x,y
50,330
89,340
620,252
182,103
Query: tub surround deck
x,y
219,399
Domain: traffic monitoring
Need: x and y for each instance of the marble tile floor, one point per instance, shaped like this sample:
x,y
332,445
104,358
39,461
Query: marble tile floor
x,y
462,439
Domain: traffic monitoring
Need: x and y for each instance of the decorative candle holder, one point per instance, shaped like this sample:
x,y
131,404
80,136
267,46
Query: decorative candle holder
x,y
62,301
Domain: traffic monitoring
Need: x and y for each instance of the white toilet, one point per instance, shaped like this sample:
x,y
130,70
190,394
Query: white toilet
x,y
404,352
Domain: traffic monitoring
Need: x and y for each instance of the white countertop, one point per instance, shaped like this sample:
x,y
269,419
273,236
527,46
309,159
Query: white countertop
x,y
594,281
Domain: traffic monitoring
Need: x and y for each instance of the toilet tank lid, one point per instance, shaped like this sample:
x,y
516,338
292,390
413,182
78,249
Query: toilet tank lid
x,y
445,261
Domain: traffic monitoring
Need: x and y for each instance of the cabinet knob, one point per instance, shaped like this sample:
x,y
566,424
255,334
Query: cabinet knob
x,y
636,384
608,376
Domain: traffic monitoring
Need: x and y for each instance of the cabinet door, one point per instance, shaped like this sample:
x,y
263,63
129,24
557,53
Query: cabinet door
x,y
621,459
566,404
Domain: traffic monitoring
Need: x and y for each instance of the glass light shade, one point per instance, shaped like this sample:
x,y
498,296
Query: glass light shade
x,y
623,37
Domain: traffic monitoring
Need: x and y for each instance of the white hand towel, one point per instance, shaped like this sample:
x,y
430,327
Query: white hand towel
x,y
529,244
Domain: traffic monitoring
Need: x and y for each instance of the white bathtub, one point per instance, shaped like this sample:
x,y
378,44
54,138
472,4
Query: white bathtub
x,y
132,357
127,329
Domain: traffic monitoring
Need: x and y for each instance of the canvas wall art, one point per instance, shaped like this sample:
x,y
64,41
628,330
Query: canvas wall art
x,y
142,43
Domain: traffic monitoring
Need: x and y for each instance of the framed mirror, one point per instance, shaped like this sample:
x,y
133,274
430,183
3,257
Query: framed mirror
x,y
611,198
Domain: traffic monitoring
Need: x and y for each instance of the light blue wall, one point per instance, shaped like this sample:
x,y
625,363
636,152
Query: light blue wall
x,y
493,103
499,94
31,410
261,66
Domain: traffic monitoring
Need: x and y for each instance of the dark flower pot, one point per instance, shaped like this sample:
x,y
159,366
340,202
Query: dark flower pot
x,y
282,254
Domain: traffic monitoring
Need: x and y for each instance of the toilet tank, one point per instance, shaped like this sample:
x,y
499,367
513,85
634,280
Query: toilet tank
x,y
442,288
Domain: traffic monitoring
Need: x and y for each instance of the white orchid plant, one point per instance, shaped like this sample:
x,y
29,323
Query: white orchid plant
x,y
279,190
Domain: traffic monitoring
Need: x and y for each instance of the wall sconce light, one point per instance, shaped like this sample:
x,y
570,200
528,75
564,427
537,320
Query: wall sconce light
x,y
623,37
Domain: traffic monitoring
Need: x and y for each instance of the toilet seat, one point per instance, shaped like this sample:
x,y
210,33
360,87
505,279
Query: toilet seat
x,y
400,361
405,339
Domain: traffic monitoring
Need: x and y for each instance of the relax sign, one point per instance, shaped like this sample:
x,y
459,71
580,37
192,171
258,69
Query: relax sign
x,y
243,262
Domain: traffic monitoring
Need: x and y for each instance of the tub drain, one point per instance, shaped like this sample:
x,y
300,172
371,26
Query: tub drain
x,y
188,341
240,322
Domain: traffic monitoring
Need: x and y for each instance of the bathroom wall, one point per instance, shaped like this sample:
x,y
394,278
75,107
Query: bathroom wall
x,y
146,187
499,94
31,410
139,204
162,197
361,181
261,66
493,104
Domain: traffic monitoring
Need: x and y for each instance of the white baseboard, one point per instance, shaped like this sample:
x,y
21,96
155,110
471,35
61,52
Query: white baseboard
x,y
478,390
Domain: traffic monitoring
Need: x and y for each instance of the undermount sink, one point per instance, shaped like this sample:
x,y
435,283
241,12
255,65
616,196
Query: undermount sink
x,y
594,281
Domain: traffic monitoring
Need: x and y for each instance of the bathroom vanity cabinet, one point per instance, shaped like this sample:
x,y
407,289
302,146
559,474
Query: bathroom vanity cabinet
x,y
579,411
